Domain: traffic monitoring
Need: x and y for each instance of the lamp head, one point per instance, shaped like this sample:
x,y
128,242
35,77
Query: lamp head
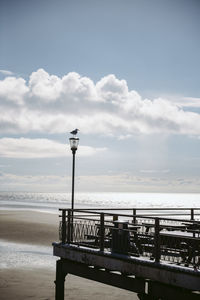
x,y
74,141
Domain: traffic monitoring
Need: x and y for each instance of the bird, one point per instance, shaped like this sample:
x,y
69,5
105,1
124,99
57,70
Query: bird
x,y
75,131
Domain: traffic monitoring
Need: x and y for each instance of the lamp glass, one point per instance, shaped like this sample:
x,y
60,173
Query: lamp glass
x,y
74,143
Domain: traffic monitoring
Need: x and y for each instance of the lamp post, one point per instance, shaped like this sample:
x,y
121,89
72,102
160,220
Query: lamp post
x,y
74,141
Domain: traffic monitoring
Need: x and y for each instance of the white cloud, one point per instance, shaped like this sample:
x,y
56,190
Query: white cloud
x,y
155,171
13,89
185,102
6,72
111,89
48,183
40,148
44,86
190,102
50,104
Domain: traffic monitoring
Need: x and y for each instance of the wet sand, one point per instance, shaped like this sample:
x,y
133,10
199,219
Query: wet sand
x,y
38,283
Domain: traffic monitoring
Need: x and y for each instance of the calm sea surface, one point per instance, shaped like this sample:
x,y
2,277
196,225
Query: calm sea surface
x,y
50,202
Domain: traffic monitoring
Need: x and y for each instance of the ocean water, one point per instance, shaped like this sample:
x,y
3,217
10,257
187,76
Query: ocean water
x,y
19,255
51,202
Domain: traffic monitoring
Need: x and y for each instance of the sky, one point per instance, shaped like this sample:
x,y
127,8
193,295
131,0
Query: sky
x,y
126,73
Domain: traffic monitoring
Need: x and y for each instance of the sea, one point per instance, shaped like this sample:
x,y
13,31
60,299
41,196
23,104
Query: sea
x,y
51,202
17,255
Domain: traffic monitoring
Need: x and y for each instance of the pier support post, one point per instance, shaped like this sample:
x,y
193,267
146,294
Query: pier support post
x,y
60,281
146,297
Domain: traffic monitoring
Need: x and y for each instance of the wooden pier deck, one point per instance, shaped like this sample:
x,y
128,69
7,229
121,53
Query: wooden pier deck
x,y
144,251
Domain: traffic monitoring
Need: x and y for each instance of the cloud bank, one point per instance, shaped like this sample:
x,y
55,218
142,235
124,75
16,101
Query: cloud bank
x,y
40,148
50,104
118,183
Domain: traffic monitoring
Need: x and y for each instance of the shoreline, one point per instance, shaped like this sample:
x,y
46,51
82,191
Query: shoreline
x,y
39,228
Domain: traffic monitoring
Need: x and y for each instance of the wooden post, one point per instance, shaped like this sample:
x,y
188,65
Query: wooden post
x,y
102,232
157,240
59,282
63,226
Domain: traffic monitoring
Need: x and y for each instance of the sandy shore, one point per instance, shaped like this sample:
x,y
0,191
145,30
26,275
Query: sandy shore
x,y
38,283
29,227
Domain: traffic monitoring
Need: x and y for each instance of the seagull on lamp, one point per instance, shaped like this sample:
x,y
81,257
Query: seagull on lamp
x,y
75,131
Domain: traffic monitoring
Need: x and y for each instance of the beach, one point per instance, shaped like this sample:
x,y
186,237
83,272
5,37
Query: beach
x,y
34,281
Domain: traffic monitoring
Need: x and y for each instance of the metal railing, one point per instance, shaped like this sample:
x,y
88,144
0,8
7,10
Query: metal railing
x,y
146,233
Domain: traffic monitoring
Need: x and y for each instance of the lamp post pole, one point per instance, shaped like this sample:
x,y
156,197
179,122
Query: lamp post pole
x,y
73,175
74,141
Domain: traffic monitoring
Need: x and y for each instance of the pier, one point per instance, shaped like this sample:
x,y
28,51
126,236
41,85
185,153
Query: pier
x,y
152,252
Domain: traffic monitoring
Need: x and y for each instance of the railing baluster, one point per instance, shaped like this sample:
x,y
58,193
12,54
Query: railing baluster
x,y
192,214
134,216
102,232
69,226
115,218
157,240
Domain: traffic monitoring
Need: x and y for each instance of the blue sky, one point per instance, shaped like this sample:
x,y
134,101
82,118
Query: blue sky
x,y
126,73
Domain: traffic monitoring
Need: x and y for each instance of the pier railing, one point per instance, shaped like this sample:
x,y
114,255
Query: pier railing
x,y
162,235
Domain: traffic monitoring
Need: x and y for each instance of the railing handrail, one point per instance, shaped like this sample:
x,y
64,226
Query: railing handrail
x,y
137,215
137,208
